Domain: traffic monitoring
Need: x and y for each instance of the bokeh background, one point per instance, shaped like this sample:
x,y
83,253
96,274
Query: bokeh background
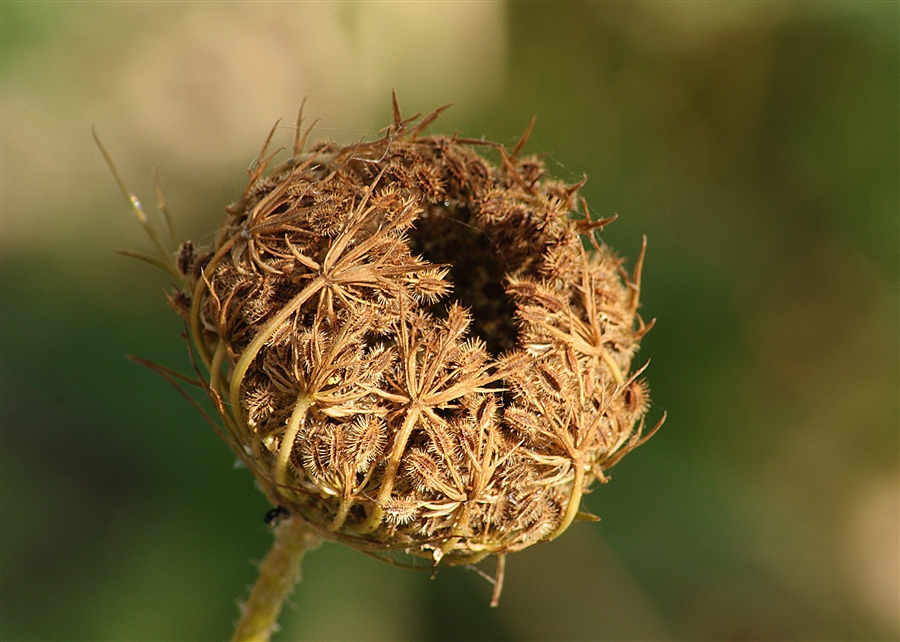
x,y
756,144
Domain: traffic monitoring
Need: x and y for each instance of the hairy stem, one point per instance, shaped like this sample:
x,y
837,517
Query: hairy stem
x,y
277,575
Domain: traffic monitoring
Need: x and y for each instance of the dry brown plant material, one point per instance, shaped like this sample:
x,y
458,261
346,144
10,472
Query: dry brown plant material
x,y
415,349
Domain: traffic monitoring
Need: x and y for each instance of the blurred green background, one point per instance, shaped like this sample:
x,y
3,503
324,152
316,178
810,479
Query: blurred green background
x,y
756,144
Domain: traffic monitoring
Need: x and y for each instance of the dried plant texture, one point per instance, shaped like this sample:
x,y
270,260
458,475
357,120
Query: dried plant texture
x,y
413,349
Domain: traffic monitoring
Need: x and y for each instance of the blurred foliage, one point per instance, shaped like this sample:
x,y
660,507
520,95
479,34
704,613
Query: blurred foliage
x,y
756,144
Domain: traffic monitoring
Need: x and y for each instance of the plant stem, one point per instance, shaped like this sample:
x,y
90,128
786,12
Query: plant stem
x,y
278,573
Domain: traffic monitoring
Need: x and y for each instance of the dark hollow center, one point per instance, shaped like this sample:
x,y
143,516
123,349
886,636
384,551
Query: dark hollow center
x,y
446,235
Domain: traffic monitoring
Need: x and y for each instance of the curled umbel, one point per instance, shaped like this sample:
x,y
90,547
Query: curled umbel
x,y
417,344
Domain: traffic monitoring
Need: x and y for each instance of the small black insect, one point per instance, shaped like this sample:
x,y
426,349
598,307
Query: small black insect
x,y
275,515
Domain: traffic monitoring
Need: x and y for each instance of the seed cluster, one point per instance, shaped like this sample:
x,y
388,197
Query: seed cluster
x,y
411,346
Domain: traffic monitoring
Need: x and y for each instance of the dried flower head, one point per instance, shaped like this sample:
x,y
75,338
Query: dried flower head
x,y
415,349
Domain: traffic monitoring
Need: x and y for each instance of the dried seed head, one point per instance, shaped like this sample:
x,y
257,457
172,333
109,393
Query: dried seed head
x,y
411,346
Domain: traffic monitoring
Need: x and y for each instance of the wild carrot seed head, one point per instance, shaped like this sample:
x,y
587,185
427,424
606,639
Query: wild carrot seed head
x,y
412,347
